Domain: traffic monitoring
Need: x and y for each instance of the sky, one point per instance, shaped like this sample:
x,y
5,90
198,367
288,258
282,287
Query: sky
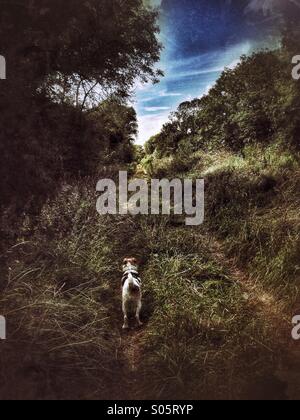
x,y
200,38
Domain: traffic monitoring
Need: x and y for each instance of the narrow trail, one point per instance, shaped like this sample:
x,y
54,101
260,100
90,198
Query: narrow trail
x,y
263,301
130,354
130,348
131,344
274,314
265,304
131,341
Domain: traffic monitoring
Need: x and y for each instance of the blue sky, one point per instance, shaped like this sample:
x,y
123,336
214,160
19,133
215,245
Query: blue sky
x,y
201,38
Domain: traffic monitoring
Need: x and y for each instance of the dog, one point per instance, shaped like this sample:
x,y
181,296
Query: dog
x,y
131,292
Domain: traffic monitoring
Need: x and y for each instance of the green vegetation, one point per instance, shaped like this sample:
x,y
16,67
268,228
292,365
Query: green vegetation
x,y
243,139
62,65
205,335
65,123
217,298
222,311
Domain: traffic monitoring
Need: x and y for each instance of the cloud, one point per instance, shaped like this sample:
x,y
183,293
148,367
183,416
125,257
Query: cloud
x,y
149,125
186,79
209,63
165,94
141,86
265,6
269,7
234,64
206,90
196,73
161,94
154,3
296,2
156,108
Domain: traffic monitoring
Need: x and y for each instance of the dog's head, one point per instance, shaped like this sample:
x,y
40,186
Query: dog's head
x,y
130,262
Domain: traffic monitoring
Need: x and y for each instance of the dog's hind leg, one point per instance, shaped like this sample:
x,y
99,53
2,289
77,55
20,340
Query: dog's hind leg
x,y
138,319
126,323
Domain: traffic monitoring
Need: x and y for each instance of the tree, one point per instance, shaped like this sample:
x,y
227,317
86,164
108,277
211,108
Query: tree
x,y
62,60
107,42
114,128
257,102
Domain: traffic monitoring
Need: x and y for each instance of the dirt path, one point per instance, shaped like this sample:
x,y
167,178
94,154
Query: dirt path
x,y
131,344
130,351
288,371
269,308
262,300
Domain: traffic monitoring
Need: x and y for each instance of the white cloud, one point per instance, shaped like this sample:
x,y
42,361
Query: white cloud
x,y
234,64
162,94
156,3
165,94
196,73
206,91
156,108
189,98
269,6
142,87
209,63
265,6
149,125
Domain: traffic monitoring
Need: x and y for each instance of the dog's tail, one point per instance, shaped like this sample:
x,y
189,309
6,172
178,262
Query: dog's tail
x,y
132,284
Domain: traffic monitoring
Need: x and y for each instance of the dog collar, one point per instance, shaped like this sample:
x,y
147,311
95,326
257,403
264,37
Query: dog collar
x,y
134,273
132,268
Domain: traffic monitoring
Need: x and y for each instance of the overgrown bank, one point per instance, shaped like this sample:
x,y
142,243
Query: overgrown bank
x,y
218,298
207,334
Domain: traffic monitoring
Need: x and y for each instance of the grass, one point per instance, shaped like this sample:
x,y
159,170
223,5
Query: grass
x,y
255,207
209,330
206,338
60,303
252,205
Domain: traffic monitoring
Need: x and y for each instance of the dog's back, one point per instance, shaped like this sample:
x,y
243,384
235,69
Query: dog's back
x,y
131,296
131,292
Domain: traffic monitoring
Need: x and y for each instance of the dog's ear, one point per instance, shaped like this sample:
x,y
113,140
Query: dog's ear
x,y
132,261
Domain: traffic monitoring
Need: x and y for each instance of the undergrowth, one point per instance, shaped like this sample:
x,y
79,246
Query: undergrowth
x,y
205,336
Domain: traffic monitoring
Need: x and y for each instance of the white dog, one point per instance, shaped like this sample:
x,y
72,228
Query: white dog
x,y
131,292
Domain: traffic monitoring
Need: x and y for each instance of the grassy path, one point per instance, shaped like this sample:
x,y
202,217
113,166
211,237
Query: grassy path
x,y
274,313
171,277
211,330
131,351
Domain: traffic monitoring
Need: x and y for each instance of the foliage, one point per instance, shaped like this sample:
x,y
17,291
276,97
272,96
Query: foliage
x,y
254,103
63,111
202,337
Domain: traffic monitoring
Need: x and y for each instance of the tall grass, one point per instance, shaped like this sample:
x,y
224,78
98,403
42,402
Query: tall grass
x,y
205,338
206,335
61,301
252,205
